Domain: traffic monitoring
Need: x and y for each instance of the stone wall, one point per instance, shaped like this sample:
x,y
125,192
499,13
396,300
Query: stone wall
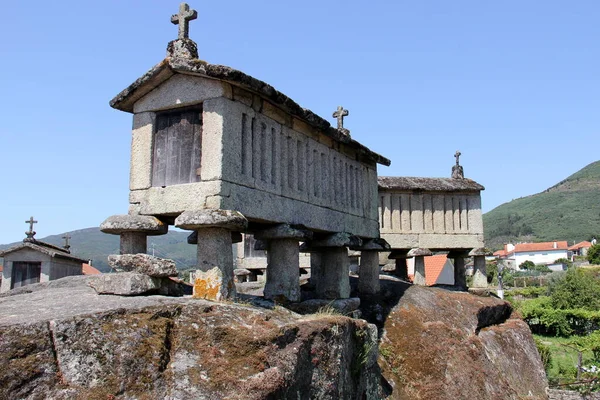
x,y
256,159
430,220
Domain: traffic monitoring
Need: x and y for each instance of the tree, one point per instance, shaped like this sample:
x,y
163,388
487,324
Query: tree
x,y
528,265
593,254
577,289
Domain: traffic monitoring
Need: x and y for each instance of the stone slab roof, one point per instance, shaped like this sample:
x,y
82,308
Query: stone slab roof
x,y
45,248
428,184
164,70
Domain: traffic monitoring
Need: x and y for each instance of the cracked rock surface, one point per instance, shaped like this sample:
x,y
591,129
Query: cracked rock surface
x,y
63,341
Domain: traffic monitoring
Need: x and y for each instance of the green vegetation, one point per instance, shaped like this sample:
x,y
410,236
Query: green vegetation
x,y
567,211
565,319
593,255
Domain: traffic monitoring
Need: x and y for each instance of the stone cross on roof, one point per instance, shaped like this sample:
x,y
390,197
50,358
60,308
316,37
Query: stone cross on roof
x,y
457,170
340,114
183,19
30,233
67,246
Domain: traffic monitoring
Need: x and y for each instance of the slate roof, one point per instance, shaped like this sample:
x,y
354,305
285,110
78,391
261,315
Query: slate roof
x,y
428,184
581,245
45,248
164,70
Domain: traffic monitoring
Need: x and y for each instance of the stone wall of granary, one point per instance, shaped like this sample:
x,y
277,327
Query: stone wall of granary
x,y
438,219
256,159
60,268
24,255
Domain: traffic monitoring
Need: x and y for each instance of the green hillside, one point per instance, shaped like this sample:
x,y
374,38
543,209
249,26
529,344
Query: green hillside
x,y
569,210
92,244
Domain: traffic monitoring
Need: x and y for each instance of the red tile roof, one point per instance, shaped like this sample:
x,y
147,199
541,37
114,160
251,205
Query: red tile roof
x,y
501,253
1,268
87,269
433,268
581,245
545,246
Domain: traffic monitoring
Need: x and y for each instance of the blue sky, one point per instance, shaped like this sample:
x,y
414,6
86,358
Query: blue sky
x,y
514,85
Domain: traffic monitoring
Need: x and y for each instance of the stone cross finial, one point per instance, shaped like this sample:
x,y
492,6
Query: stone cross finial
x,y
31,233
340,114
457,170
457,155
67,246
183,19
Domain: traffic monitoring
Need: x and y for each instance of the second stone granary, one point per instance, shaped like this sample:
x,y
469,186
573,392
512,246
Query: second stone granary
x,y
215,150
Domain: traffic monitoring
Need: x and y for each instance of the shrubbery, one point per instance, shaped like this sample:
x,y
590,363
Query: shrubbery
x,y
593,254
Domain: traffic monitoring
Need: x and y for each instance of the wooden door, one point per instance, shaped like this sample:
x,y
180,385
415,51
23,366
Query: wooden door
x,y
177,147
25,273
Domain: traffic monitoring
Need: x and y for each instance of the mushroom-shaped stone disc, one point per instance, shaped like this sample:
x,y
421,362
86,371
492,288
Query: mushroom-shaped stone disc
x,y
482,251
419,252
211,218
147,224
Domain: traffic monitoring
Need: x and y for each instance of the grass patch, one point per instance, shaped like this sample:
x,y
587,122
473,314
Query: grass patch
x,y
563,367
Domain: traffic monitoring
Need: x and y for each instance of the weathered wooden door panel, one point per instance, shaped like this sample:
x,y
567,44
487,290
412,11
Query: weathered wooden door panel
x,y
25,273
177,148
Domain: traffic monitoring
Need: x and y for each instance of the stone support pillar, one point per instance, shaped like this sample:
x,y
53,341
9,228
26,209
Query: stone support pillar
x,y
401,266
419,254
460,271
133,231
368,276
333,280
283,261
214,278
479,270
133,243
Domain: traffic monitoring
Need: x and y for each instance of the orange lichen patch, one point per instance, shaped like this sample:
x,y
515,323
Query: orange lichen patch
x,y
207,285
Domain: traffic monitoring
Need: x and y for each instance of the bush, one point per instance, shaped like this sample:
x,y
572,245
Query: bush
x,y
577,289
545,320
593,254
527,265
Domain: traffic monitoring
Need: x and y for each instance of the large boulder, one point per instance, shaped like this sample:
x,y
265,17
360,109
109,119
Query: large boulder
x,y
143,264
439,344
66,342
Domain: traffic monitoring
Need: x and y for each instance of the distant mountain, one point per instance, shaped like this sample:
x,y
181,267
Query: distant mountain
x,y
569,210
92,244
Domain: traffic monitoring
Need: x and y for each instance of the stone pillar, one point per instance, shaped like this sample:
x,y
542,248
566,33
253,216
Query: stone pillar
x,y
368,276
333,280
133,231
401,266
283,261
479,270
419,254
460,271
214,279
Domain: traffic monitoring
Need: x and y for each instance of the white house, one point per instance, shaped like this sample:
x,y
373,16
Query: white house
x,y
539,253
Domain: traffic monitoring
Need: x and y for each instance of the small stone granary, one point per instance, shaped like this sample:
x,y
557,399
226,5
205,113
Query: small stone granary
x,y
218,152
34,261
419,216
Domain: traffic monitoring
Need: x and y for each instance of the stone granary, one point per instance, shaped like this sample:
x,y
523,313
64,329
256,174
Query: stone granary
x,y
218,152
419,216
34,261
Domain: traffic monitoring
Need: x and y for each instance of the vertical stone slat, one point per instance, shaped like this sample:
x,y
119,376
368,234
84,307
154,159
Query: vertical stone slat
x,y
427,213
438,213
405,217
416,212
448,214
464,222
396,224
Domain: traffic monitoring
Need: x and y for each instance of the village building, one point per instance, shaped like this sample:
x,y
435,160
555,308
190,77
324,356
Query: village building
x,y
218,152
579,250
422,216
439,270
544,253
34,261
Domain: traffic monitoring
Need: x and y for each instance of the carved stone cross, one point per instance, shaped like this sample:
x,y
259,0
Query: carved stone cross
x,y
31,233
457,170
457,155
183,19
340,114
67,246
